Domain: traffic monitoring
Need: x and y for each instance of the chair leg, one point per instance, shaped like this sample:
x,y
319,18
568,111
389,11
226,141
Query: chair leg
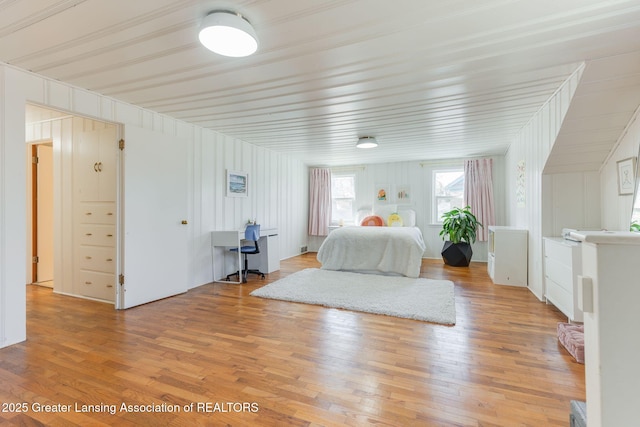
x,y
258,272
246,269
245,272
232,274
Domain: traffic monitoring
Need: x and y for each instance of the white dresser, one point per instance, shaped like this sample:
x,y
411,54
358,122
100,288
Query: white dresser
x,y
562,266
96,250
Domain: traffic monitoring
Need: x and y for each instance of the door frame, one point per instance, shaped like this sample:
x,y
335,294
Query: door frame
x,y
32,153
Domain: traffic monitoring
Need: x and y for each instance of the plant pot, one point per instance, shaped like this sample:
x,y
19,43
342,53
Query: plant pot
x,y
456,254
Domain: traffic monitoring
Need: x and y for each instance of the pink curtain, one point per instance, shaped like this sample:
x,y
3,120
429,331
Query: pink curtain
x,y
319,201
478,193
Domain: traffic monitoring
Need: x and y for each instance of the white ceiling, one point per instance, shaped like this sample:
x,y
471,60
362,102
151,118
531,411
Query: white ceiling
x,y
431,79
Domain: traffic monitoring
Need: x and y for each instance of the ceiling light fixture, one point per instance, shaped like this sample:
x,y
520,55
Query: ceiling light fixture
x,y
228,33
367,142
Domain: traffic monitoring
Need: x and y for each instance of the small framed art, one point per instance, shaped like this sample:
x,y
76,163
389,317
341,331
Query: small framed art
x,y
382,193
626,176
237,184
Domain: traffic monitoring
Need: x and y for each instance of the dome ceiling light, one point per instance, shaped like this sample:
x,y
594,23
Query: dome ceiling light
x,y
367,142
228,33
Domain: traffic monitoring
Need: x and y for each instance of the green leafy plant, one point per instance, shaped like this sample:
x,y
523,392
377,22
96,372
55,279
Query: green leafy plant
x,y
459,225
635,226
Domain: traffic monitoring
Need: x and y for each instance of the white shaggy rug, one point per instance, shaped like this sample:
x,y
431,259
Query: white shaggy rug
x,y
419,299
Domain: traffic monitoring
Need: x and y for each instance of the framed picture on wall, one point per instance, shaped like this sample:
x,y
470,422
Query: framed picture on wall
x,y
626,176
382,194
403,193
237,184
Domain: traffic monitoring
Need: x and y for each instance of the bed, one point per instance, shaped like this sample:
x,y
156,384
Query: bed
x,y
379,250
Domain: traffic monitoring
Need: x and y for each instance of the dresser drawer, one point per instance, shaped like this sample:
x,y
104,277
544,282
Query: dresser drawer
x,y
97,258
97,285
97,235
97,213
558,251
560,297
560,273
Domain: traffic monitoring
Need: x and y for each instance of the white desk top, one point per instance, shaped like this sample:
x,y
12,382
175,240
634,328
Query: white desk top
x,y
233,237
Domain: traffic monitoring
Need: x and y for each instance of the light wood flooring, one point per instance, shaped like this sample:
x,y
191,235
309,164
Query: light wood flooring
x,y
233,359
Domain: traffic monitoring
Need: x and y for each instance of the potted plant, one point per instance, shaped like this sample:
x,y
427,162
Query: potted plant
x,y
459,231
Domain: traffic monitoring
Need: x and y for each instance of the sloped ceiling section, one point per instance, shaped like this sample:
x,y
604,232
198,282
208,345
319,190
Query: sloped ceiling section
x,y
605,100
430,79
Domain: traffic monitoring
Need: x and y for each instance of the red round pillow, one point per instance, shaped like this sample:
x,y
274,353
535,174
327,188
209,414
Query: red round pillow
x,y
372,220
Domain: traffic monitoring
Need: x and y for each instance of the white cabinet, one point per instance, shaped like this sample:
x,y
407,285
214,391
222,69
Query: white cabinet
x,y
610,296
96,165
95,219
268,260
562,266
507,255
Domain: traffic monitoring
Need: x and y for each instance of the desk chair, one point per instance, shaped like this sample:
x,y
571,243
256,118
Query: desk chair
x,y
252,234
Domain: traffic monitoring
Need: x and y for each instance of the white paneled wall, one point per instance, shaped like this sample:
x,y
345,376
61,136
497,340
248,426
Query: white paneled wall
x,y
531,148
570,200
277,196
277,187
419,177
616,209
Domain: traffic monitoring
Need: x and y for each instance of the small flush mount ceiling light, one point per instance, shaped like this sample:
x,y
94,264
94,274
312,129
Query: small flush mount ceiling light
x,y
228,33
367,142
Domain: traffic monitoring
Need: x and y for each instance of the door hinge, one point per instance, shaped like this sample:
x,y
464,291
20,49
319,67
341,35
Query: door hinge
x,y
35,259
121,144
121,279
34,160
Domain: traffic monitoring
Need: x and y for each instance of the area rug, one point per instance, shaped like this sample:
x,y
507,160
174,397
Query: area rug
x,y
419,299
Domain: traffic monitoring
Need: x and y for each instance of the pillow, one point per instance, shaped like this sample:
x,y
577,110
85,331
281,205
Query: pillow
x,y
394,220
362,214
384,211
408,217
372,220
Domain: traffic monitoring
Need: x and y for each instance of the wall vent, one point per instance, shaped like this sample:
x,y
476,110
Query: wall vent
x,y
303,249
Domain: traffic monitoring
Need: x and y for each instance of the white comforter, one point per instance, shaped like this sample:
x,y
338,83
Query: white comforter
x,y
374,249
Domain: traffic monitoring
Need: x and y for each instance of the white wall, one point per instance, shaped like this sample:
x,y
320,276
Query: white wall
x,y
570,200
12,213
531,147
277,193
616,209
419,177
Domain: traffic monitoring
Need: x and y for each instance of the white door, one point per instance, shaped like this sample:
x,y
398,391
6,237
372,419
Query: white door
x,y
154,204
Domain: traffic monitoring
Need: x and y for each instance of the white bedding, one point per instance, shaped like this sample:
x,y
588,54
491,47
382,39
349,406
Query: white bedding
x,y
385,250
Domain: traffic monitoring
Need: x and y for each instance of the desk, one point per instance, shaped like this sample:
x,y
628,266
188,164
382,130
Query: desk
x,y
267,261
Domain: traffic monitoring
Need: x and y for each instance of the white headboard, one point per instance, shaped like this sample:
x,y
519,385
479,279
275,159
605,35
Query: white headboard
x,y
408,215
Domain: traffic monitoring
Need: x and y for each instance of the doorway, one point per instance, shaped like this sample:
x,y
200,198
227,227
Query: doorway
x,y
42,202
98,180
72,218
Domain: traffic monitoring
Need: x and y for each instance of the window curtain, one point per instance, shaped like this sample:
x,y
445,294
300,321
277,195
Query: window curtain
x,y
319,201
478,193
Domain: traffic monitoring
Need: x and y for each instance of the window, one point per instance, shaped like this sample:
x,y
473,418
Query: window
x,y
448,191
343,199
